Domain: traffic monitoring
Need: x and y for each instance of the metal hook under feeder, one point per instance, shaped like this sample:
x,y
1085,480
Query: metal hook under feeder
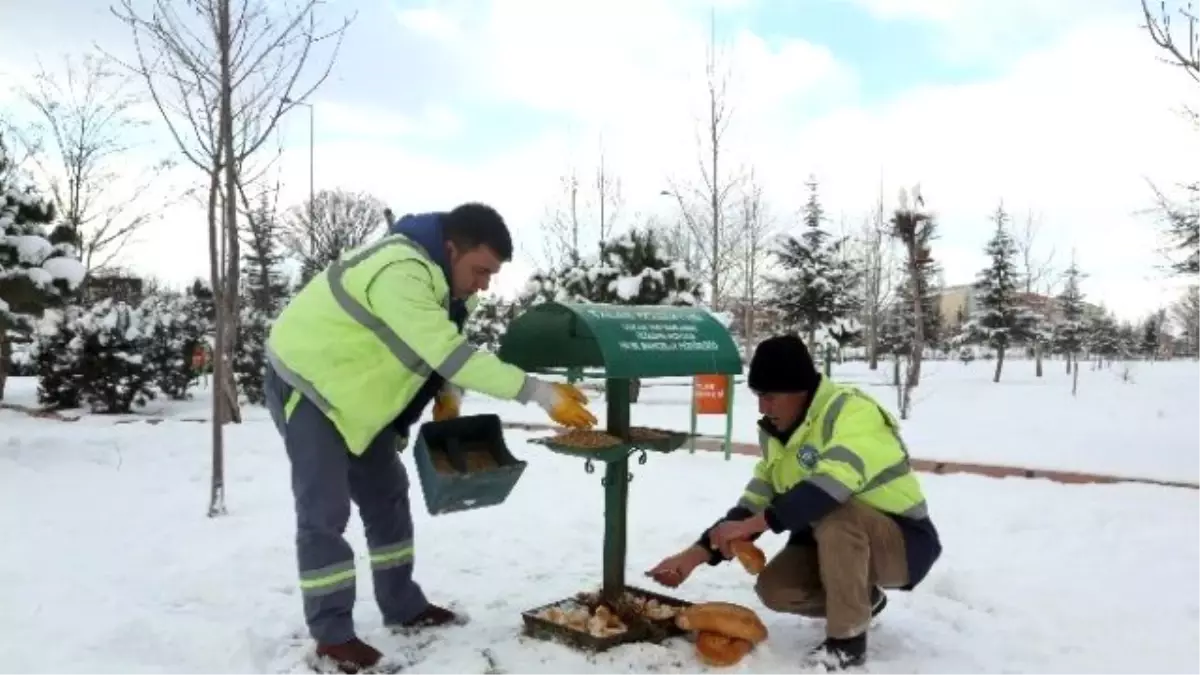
x,y
589,467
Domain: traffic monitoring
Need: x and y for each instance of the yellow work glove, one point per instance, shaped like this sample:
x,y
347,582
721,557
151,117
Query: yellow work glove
x,y
447,403
564,403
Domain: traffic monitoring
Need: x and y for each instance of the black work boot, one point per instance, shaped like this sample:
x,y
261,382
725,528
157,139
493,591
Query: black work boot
x,y
351,656
434,616
840,653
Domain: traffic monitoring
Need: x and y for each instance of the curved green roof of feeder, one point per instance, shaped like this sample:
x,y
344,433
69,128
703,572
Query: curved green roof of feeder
x,y
625,341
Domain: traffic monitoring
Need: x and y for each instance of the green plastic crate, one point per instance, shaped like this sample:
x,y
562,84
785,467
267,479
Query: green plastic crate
x,y
464,464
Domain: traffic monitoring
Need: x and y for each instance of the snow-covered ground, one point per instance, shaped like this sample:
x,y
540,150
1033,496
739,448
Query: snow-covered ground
x,y
111,565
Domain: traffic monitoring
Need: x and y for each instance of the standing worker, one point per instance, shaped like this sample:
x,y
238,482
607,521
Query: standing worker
x,y
836,475
352,362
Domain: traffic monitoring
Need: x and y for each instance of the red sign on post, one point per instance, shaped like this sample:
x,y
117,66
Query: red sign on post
x,y
711,394
199,358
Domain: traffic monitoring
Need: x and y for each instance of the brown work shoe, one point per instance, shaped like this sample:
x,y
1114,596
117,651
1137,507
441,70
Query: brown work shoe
x,y
350,656
433,616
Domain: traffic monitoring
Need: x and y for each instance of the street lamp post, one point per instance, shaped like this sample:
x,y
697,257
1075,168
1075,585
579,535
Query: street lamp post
x,y
312,237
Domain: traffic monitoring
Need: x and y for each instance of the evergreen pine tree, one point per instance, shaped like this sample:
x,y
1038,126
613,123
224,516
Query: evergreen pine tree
x,y
1151,337
266,286
250,355
1069,331
114,375
816,294
37,270
57,354
1002,320
265,291
1103,336
174,328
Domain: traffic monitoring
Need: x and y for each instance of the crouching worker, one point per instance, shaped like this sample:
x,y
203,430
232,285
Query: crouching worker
x,y
353,360
835,475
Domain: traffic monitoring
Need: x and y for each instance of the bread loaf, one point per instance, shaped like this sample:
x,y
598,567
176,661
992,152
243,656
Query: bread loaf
x,y
723,618
751,556
719,650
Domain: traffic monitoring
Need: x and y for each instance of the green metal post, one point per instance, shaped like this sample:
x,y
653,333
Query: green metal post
x,y
729,417
692,438
616,493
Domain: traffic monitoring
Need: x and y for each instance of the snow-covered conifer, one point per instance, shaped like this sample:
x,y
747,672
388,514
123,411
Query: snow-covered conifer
x,y
488,322
38,269
1069,332
817,289
57,357
1002,319
250,354
114,375
174,327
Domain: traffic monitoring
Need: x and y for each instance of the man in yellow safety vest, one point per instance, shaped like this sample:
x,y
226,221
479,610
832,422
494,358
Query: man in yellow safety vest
x,y
352,362
836,475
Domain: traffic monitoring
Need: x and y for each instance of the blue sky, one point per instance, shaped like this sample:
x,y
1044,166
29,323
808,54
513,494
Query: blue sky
x,y
1056,108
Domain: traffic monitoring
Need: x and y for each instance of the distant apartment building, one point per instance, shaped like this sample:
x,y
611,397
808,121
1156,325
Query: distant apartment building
x,y
959,302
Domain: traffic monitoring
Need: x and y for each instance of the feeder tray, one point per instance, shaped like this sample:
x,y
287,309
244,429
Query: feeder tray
x,y
659,440
464,464
587,623
595,445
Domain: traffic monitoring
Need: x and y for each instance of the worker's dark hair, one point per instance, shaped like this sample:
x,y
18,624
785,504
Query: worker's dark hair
x,y
471,225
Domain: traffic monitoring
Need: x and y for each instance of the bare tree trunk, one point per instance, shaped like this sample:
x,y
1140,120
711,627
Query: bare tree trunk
x,y
999,363
918,340
221,290
5,355
1074,377
716,241
217,482
191,73
1037,352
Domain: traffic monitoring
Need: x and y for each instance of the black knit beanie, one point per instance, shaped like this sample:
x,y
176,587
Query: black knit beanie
x,y
782,364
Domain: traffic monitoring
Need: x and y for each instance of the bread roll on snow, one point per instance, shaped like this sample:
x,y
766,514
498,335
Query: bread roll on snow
x,y
723,618
751,556
719,650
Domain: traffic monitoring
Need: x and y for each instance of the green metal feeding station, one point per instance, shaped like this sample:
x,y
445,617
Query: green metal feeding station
x,y
617,343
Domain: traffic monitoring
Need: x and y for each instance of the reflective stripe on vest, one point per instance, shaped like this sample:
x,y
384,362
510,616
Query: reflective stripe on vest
x,y
759,493
399,349
896,471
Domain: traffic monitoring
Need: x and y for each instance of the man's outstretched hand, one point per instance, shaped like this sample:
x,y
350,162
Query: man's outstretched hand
x,y
565,404
674,570
724,534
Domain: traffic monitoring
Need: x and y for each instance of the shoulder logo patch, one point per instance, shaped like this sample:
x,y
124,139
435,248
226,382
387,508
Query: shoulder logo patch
x,y
807,456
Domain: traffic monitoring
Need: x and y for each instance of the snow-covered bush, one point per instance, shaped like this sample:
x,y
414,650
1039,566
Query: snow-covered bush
x,y
55,354
114,375
94,357
174,327
37,269
250,355
628,270
488,322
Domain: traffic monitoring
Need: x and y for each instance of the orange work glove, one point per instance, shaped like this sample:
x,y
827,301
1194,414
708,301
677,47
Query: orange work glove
x,y
446,405
564,403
